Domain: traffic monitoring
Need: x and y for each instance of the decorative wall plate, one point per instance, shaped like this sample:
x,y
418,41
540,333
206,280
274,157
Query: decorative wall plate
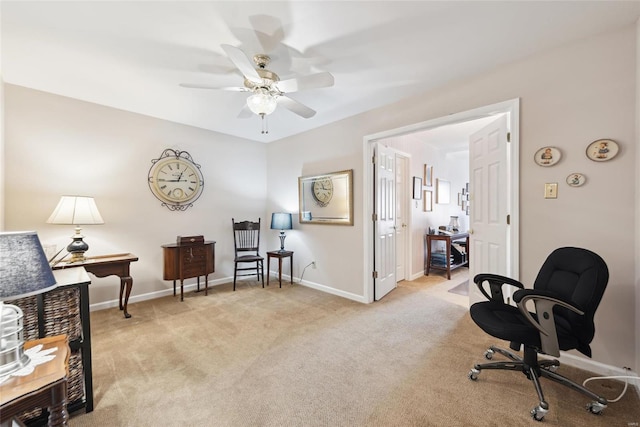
x,y
576,179
602,150
547,156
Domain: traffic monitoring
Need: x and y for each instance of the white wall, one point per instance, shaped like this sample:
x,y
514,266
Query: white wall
x,y
57,146
570,96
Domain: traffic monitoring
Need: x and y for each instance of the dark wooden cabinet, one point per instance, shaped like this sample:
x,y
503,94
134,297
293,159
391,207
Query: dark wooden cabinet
x,y
184,261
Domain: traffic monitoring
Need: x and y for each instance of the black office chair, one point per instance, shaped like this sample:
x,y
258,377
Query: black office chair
x,y
246,243
566,293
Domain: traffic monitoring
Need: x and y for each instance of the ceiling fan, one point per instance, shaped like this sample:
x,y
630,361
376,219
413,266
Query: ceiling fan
x,y
268,91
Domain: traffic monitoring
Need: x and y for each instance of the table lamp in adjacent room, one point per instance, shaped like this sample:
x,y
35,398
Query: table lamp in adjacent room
x,y
24,271
281,221
76,210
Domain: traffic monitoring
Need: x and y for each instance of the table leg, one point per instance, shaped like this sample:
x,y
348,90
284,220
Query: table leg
x,y
280,270
268,269
128,282
291,268
58,415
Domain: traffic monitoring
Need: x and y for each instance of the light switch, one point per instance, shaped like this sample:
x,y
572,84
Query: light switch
x,y
551,190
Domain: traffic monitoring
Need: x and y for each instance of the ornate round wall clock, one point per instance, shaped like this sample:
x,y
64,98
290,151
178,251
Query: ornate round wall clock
x,y
322,191
175,179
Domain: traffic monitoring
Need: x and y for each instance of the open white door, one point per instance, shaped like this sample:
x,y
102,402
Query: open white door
x,y
403,188
488,222
384,221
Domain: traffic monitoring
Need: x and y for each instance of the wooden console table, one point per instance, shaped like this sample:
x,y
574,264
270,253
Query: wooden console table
x,y
280,255
108,265
46,386
447,264
189,260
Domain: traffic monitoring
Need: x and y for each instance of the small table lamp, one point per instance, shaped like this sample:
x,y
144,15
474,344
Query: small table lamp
x,y
281,221
76,210
24,271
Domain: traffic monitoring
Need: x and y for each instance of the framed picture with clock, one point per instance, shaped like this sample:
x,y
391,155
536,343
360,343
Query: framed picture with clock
x,y
175,179
326,198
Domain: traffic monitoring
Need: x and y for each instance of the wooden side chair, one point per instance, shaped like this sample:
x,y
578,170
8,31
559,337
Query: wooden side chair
x,y
246,242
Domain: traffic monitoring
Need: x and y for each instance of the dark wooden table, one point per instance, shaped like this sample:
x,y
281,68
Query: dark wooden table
x,y
108,265
280,255
448,240
46,386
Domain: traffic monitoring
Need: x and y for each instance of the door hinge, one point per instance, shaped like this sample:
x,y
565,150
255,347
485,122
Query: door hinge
x,y
508,136
508,219
375,274
374,217
373,159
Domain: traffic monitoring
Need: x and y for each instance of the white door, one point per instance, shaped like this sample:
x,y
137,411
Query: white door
x,y
403,189
384,221
488,222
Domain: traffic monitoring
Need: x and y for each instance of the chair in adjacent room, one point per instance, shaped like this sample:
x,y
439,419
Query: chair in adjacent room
x,y
246,243
565,295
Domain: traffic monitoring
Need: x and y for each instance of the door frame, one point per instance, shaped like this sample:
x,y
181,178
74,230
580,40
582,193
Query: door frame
x,y
512,108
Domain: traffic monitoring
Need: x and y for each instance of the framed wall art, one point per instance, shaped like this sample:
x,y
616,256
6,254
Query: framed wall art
x,y
428,175
428,200
417,188
443,192
602,150
547,156
326,198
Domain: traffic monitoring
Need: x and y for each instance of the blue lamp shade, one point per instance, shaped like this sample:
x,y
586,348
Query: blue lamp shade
x,y
24,269
281,221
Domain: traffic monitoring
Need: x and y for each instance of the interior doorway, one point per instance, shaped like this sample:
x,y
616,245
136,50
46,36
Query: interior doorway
x,y
508,108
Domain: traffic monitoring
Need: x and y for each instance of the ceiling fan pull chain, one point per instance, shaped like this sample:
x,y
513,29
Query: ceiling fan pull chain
x,y
265,125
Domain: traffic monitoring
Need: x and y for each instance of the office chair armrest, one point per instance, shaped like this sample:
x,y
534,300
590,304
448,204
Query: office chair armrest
x,y
544,302
495,285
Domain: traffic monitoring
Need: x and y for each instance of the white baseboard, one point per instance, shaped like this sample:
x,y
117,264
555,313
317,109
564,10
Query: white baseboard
x,y
599,368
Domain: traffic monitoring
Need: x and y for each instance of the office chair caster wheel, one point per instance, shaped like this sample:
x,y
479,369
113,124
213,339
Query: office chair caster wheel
x,y
473,374
488,354
538,413
596,408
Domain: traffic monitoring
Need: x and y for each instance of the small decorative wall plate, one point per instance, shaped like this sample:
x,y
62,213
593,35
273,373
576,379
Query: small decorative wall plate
x,y
602,150
547,156
576,179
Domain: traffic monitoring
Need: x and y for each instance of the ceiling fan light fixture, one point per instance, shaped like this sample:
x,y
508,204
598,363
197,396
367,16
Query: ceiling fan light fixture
x,y
262,102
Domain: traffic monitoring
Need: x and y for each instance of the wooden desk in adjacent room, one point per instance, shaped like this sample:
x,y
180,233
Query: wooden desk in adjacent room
x,y
109,265
188,260
447,263
45,387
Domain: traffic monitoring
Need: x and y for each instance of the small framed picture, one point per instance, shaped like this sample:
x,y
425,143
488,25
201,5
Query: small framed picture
x,y
428,175
547,156
417,188
428,200
602,150
576,179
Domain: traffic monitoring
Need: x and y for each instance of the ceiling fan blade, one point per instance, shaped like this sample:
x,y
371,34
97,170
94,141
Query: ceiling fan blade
x,y
243,63
229,88
296,107
311,81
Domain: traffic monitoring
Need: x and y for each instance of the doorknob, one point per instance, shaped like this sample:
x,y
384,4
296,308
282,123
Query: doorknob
x,y
471,231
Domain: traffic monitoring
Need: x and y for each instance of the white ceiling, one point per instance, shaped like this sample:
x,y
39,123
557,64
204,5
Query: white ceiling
x,y
133,55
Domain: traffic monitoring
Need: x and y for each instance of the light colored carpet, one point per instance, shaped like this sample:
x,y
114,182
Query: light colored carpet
x,y
298,357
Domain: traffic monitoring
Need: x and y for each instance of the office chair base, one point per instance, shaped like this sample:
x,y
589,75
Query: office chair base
x,y
534,369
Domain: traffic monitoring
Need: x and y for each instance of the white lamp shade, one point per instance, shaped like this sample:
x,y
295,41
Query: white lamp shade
x,y
262,102
76,210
